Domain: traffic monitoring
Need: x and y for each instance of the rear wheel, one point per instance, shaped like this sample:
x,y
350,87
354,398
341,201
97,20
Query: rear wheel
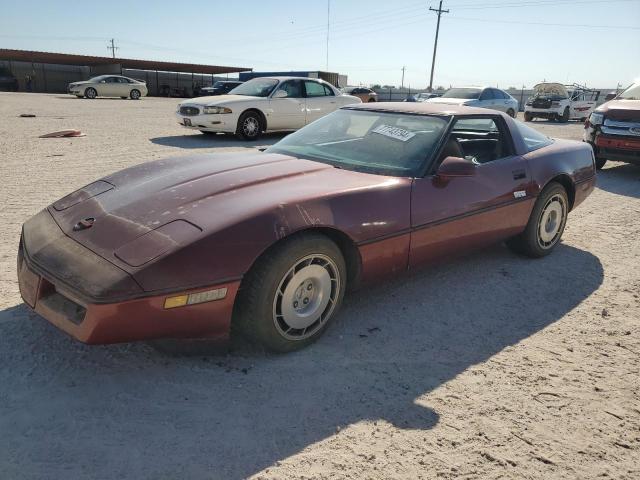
x,y
511,112
546,223
291,294
249,126
135,94
90,93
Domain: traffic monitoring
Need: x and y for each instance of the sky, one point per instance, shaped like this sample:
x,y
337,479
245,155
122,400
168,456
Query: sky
x,y
504,43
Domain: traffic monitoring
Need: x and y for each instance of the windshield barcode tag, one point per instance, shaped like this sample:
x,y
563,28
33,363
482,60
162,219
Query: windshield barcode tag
x,y
394,132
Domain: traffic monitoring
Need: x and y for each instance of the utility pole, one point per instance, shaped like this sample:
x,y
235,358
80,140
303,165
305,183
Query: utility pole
x,y
439,11
113,48
402,83
328,12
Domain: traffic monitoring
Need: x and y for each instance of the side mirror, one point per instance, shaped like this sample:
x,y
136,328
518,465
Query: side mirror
x,y
456,167
280,94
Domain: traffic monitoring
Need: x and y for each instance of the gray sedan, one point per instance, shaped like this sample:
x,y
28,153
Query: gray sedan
x,y
483,97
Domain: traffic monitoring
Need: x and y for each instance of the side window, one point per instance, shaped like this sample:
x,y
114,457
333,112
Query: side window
x,y
499,94
292,87
314,89
478,139
328,92
111,80
532,138
487,94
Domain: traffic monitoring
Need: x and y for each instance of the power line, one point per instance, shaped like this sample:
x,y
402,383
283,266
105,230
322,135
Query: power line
x,y
439,11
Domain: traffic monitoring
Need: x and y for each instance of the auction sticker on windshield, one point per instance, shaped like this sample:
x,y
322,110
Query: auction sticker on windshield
x,y
394,132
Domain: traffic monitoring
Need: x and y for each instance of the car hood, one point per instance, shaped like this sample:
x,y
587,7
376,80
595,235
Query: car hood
x,y
175,201
550,89
221,100
450,101
621,109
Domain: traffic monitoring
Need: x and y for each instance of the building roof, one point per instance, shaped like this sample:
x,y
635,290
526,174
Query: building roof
x,y
87,60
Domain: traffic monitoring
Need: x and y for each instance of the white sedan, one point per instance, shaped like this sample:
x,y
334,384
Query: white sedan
x,y
265,104
109,86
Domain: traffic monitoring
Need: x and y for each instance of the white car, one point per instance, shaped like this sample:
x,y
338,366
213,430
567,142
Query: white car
x,y
482,97
554,102
264,104
109,86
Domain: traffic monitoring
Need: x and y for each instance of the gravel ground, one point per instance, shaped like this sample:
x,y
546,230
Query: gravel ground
x,y
491,366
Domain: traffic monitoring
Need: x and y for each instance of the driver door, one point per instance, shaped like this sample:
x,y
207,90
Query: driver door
x,y
287,113
453,214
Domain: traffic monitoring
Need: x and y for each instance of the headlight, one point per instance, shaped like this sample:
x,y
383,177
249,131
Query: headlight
x,y
216,110
596,118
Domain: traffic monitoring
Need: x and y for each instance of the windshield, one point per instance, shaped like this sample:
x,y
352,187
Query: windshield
x,y
631,93
257,87
367,141
466,93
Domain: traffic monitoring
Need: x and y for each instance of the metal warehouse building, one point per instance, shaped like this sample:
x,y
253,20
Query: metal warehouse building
x,y
48,72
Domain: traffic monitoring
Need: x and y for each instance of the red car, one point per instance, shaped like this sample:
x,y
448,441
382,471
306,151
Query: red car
x,y
266,243
613,129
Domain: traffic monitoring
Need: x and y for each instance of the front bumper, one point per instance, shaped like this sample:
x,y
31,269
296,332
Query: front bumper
x,y
613,147
83,294
544,112
225,123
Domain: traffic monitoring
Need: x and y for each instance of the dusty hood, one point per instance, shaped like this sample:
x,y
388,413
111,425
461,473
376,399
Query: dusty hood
x,y
555,89
220,99
185,198
621,110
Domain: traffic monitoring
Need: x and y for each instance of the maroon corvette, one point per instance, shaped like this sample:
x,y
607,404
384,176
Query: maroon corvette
x,y
266,243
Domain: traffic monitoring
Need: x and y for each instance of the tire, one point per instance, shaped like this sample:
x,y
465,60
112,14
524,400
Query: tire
x,y
600,162
90,93
249,126
528,117
565,116
546,223
511,112
371,100
291,294
135,94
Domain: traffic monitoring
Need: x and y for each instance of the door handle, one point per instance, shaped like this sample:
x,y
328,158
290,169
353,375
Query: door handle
x,y
519,174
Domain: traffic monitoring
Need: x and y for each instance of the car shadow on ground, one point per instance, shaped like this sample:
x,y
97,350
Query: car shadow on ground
x,y
216,141
127,411
620,178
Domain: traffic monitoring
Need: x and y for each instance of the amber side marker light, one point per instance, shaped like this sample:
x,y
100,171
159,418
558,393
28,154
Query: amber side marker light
x,y
195,298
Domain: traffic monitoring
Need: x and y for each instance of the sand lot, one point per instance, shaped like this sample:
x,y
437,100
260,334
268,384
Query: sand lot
x,y
492,366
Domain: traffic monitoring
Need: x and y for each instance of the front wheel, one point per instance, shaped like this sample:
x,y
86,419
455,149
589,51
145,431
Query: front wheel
x,y
135,94
290,296
546,223
527,117
249,126
90,93
565,116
